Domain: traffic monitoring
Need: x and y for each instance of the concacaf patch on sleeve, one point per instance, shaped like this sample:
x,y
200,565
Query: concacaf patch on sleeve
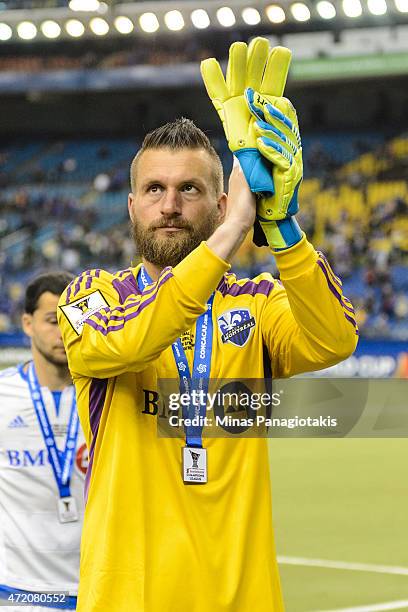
x,y
78,311
235,326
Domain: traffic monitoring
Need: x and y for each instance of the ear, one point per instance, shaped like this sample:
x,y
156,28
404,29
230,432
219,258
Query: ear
x,y
131,199
27,324
222,206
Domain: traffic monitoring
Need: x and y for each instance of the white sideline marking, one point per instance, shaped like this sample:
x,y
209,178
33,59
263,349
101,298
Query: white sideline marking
x,y
387,605
345,565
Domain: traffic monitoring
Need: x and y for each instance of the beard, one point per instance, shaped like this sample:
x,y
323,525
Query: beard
x,y
59,362
169,250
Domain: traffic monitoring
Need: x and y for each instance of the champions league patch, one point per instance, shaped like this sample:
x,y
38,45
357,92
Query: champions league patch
x,y
77,312
236,325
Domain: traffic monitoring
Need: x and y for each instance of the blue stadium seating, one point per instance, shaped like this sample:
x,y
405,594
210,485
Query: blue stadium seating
x,y
60,202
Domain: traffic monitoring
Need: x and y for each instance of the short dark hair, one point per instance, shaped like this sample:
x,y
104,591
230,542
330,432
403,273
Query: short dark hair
x,y
54,282
176,135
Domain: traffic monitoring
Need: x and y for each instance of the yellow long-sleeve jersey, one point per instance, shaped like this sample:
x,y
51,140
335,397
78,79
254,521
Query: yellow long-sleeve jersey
x,y
150,542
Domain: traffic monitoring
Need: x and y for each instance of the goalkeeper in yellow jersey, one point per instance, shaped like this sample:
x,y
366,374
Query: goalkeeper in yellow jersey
x,y
171,524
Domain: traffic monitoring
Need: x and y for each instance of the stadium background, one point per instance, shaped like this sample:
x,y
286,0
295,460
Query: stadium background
x,y
79,90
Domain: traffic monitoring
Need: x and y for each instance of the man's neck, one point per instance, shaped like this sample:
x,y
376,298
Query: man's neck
x,y
55,377
152,270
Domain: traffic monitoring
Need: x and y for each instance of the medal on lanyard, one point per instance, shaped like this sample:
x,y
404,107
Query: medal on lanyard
x,y
61,463
194,456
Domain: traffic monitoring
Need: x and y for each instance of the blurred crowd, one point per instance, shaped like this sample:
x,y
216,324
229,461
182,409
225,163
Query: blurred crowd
x,y
69,250
361,223
364,236
379,290
53,233
190,51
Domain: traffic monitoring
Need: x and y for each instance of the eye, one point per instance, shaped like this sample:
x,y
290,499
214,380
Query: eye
x,y
189,188
156,188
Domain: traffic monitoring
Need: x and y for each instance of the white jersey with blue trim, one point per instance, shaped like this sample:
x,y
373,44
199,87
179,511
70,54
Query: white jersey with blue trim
x,y
37,552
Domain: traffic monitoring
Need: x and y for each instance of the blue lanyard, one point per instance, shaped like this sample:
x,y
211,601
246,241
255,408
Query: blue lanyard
x,y
201,367
61,463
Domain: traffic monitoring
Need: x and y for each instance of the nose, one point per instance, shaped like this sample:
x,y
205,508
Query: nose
x,y
58,333
171,202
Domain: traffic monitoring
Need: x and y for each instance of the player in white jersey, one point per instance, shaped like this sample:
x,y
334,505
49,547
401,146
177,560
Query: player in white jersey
x,y
43,461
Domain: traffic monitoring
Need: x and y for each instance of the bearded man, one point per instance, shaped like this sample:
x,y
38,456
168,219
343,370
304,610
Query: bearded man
x,y
185,524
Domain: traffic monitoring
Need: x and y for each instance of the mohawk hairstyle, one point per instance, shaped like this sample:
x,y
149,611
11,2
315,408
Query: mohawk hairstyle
x,y
176,135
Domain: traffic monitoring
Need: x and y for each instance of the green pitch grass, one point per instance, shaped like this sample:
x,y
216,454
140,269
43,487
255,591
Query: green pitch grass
x,y
342,500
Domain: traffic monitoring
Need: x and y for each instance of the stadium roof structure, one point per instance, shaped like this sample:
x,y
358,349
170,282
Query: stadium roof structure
x,y
36,20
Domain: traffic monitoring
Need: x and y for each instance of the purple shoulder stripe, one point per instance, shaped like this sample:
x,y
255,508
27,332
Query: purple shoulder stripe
x,y
124,317
335,287
335,279
97,395
69,290
264,287
74,286
106,315
323,256
336,294
78,283
90,276
222,286
123,273
126,286
88,279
